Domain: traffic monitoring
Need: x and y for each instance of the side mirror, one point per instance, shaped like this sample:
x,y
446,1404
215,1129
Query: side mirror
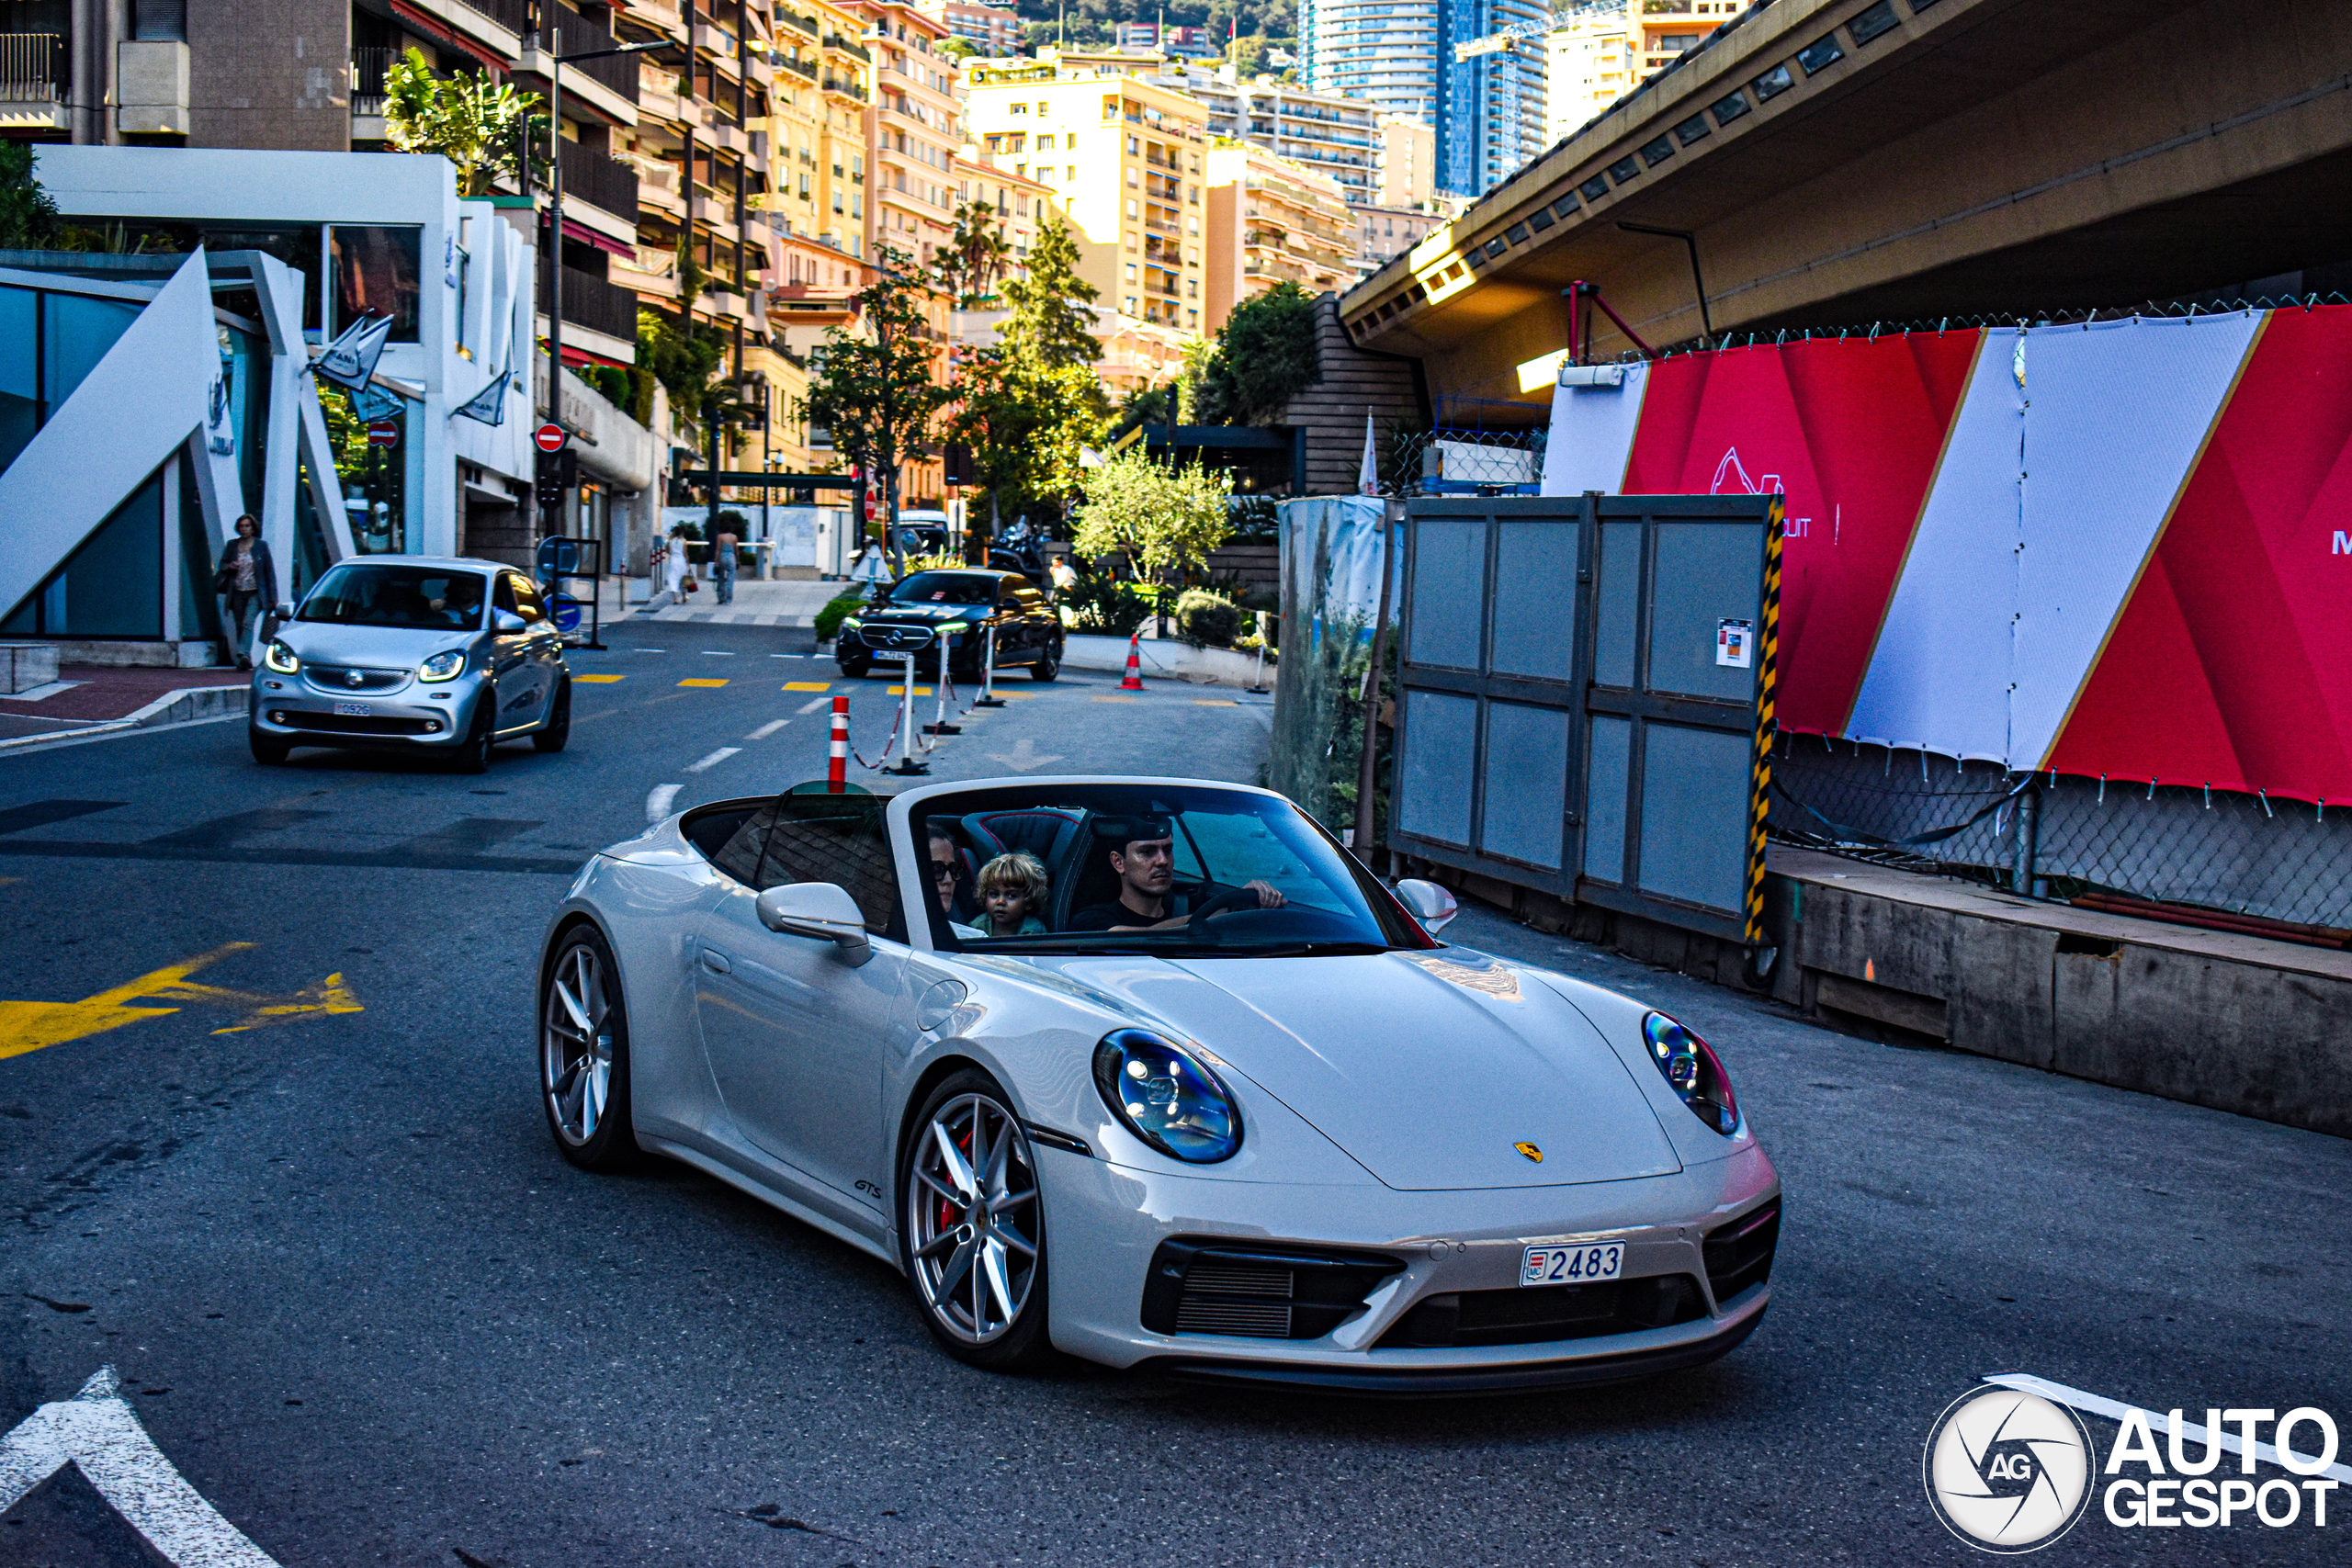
x,y
507,623
819,909
1430,905
284,610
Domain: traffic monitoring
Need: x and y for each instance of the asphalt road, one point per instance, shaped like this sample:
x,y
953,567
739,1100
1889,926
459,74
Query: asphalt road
x,y
366,1311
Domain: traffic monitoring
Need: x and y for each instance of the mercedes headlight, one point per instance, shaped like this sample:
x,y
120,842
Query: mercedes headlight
x,y
1168,1097
445,665
851,623
1691,1070
281,658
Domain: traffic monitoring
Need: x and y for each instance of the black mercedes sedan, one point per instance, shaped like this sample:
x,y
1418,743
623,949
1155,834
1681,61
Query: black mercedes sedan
x,y
961,604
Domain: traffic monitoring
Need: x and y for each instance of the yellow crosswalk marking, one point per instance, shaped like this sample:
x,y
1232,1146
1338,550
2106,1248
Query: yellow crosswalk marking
x,y
701,680
1215,703
30,1026
807,685
1113,699
902,690
596,679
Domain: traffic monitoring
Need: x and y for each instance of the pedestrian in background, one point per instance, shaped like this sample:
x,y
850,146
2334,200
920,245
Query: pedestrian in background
x,y
673,567
247,580
722,562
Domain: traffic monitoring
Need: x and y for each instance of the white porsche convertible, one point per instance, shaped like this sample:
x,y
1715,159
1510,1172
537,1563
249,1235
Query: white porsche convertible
x,y
1153,1071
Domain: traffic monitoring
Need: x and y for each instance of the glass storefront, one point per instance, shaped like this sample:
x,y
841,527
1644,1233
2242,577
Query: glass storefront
x,y
371,463
375,273
112,586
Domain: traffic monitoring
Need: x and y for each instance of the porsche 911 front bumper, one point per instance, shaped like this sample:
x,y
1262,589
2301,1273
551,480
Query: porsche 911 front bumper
x,y
1446,1314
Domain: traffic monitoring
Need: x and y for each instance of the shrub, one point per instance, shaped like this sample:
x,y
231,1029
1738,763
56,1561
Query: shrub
x,y
1102,605
1206,619
829,619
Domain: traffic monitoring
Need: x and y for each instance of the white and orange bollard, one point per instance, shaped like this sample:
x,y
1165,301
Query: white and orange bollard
x,y
1133,683
836,765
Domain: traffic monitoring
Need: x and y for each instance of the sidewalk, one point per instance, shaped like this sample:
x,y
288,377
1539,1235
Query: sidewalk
x,y
86,696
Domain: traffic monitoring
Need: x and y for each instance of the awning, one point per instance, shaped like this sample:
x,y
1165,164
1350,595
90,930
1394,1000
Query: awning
x,y
573,230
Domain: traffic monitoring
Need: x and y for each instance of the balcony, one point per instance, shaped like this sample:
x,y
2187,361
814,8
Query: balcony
x,y
657,189
855,51
32,92
601,182
368,68
799,23
609,83
592,303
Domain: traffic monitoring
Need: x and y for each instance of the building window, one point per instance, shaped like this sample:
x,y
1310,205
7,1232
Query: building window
x,y
374,272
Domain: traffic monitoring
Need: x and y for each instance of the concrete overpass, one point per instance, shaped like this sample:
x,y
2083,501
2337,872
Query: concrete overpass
x,y
1837,163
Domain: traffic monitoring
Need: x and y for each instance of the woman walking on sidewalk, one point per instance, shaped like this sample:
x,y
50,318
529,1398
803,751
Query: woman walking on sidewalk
x,y
247,580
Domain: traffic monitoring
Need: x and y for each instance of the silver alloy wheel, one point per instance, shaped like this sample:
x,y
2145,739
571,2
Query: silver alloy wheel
x,y
972,1223
576,1044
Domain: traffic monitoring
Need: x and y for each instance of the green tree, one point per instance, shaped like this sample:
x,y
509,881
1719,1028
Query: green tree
x,y
483,127
1025,423
27,215
876,389
972,261
1264,353
1048,302
1165,520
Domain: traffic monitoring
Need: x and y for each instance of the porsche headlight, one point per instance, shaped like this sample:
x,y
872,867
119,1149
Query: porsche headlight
x,y
281,658
1168,1097
445,665
1691,1070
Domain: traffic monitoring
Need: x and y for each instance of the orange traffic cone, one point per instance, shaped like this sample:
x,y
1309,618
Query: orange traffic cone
x,y
1133,683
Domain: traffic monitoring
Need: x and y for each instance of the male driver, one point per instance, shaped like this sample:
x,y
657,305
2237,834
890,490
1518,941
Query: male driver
x,y
1145,862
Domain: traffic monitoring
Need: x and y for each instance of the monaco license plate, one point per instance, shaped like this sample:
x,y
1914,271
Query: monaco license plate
x,y
357,710
1571,1265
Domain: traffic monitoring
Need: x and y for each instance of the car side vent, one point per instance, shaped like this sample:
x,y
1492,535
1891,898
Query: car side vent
x,y
1740,1254
1198,1286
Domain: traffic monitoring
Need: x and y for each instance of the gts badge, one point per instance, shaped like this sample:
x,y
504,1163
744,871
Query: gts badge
x,y
1530,1151
870,1190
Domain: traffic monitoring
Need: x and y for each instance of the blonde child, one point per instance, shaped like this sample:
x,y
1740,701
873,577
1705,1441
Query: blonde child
x,y
1013,893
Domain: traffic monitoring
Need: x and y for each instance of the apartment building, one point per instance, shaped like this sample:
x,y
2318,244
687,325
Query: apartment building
x,y
1591,62
993,30
1122,159
1023,205
1159,38
1328,132
1407,162
1271,221
1670,28
1384,233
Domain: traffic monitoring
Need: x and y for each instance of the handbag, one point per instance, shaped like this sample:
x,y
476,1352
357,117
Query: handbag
x,y
691,585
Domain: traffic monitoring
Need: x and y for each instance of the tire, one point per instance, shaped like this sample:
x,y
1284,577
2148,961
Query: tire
x,y
551,736
583,1071
270,753
855,672
473,753
1049,665
961,1260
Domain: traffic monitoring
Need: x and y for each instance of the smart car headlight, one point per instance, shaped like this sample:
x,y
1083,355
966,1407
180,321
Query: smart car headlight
x,y
281,658
445,665
1692,1071
1168,1097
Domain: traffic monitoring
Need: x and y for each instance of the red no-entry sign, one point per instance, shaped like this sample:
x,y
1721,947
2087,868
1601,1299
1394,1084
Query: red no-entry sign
x,y
384,432
551,436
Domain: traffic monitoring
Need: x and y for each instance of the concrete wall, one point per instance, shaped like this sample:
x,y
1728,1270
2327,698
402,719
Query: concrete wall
x,y
270,73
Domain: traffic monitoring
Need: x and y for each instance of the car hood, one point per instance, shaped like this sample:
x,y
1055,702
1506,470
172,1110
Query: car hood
x,y
1428,1068
387,647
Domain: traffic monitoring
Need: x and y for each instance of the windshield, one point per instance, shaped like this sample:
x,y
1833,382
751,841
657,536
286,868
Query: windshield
x,y
423,597
1174,870
945,588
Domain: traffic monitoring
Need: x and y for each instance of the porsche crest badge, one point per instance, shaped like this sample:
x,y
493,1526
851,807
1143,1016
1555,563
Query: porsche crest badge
x,y
1530,1151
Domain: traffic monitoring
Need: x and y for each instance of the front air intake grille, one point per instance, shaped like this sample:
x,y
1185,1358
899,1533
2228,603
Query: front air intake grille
x,y
1202,1287
1538,1314
1740,1254
340,678
354,723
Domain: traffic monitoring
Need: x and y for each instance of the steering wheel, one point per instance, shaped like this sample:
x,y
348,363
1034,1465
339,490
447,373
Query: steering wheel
x,y
1239,897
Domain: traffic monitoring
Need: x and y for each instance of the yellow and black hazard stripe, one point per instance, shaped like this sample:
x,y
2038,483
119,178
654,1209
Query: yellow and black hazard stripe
x,y
1768,670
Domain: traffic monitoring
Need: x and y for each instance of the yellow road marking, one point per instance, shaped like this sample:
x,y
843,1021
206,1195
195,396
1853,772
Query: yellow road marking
x,y
1018,696
1112,699
28,1026
596,679
702,681
807,685
902,690
1215,703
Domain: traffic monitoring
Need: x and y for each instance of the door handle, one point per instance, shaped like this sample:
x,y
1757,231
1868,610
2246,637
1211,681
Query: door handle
x,y
716,961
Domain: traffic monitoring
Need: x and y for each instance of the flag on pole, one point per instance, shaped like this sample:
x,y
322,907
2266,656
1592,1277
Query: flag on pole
x,y
489,405
350,360
1368,478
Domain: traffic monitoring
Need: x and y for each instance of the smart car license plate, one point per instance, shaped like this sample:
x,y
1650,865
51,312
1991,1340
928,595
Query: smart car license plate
x,y
357,710
1571,1265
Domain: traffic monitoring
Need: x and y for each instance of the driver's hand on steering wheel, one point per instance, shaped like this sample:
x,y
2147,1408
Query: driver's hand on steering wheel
x,y
1269,895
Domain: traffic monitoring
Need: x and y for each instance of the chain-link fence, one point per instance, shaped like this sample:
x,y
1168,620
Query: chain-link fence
x,y
1462,461
2238,854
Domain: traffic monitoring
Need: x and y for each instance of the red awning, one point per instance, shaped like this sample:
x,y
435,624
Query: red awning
x,y
587,236
433,27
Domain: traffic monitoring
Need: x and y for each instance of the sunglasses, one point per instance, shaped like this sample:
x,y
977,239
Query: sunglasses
x,y
943,871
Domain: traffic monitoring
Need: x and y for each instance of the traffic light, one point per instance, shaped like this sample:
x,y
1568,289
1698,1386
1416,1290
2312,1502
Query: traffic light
x,y
556,472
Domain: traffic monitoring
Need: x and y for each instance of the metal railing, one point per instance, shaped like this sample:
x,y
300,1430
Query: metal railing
x,y
614,72
599,181
515,15
28,68
367,67
592,302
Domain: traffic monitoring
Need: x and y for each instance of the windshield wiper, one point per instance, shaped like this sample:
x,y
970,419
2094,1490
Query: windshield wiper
x,y
1310,950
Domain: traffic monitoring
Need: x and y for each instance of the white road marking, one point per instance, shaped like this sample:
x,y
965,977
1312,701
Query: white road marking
x,y
714,759
657,803
716,653
96,1432
2116,1410
652,651
813,703
1025,757
770,727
